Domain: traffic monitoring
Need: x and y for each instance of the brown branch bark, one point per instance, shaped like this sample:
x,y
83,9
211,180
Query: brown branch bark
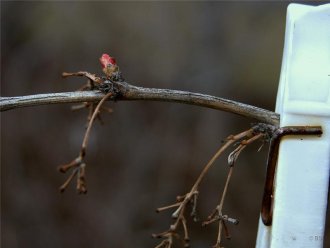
x,y
130,92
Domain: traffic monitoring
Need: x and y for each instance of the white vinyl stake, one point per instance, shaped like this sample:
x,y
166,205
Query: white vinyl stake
x,y
303,99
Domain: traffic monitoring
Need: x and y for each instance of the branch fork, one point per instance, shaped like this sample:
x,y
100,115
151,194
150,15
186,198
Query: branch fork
x,y
78,169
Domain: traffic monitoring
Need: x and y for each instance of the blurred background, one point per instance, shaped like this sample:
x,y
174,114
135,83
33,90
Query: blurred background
x,y
146,153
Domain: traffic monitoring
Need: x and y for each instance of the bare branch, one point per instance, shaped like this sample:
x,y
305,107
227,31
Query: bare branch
x,y
130,92
7,103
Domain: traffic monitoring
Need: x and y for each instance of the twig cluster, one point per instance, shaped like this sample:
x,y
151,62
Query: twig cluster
x,y
241,140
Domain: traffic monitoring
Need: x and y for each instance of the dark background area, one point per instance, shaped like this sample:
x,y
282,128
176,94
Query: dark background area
x,y
146,153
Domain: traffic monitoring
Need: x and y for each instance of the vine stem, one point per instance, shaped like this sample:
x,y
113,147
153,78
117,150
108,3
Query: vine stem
x,y
131,92
95,113
78,163
219,208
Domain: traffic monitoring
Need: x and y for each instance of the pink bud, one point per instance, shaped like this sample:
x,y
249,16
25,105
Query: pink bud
x,y
106,60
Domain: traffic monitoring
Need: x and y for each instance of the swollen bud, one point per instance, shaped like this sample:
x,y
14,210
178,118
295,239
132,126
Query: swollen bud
x,y
106,60
109,65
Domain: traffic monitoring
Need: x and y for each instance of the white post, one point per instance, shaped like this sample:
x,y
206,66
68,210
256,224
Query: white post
x,y
302,175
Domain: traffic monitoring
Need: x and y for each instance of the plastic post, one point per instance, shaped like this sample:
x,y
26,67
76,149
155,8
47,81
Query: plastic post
x,y
303,99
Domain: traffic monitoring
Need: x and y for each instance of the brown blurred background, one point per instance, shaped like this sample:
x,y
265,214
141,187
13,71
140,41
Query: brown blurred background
x,y
147,152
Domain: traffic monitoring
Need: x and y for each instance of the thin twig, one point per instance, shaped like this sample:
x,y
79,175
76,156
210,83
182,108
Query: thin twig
x,y
96,112
130,92
168,207
217,213
219,208
78,163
